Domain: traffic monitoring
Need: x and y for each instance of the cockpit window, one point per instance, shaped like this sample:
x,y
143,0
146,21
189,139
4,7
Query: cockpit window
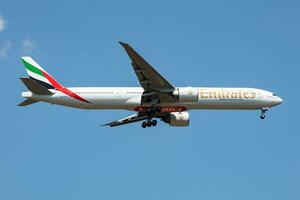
x,y
274,95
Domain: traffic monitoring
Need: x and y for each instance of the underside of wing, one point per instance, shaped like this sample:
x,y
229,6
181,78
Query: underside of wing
x,y
180,118
130,119
156,88
148,77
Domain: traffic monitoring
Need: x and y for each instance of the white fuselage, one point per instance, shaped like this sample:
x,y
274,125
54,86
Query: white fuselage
x,y
130,97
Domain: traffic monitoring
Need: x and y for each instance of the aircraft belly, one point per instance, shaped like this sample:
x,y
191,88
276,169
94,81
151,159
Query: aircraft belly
x,y
63,100
131,102
121,102
228,104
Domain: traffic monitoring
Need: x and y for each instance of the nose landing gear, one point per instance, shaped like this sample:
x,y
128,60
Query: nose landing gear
x,y
263,113
149,123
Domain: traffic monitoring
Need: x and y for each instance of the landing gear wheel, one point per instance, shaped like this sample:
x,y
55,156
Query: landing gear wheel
x,y
144,124
263,111
154,122
149,123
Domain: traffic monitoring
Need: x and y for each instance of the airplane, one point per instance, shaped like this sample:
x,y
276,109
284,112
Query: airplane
x,y
157,98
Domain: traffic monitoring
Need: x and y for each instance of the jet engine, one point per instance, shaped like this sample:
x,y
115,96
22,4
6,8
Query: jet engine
x,y
178,119
186,94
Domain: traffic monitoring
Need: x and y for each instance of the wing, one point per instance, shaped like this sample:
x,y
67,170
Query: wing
x,y
148,77
156,88
130,119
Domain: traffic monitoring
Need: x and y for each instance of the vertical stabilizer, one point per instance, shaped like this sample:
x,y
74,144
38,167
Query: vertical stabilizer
x,y
37,73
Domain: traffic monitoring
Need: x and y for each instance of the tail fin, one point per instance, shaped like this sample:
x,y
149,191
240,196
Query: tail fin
x,y
38,74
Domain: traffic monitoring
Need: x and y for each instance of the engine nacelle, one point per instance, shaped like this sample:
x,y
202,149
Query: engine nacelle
x,y
186,94
179,119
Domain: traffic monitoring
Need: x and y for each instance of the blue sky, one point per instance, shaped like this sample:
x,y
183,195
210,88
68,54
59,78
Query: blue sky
x,y
53,152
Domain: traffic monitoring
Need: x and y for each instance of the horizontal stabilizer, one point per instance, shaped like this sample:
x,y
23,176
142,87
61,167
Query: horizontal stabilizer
x,y
35,87
28,102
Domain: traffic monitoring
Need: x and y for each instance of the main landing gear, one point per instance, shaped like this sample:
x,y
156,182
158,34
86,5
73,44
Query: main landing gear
x,y
263,113
149,123
151,112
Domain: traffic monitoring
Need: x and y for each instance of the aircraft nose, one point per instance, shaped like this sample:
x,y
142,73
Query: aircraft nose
x,y
278,101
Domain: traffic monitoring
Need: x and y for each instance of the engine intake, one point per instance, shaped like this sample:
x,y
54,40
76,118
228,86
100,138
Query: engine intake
x,y
178,119
186,94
